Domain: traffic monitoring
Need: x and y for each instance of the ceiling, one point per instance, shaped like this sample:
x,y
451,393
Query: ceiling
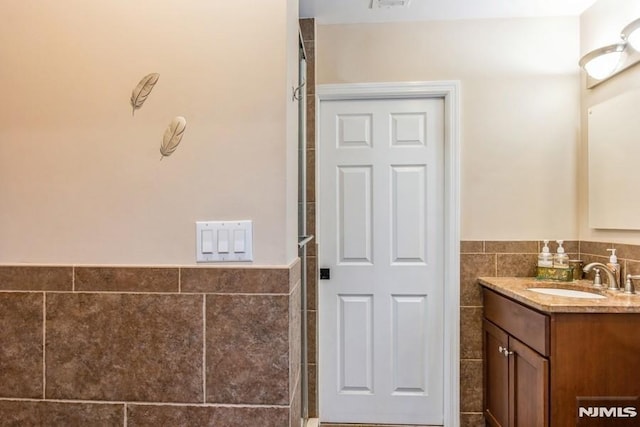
x,y
360,11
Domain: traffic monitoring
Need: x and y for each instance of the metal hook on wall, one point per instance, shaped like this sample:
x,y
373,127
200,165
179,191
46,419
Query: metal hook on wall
x,y
296,92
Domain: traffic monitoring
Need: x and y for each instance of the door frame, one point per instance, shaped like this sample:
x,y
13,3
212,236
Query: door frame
x,y
450,92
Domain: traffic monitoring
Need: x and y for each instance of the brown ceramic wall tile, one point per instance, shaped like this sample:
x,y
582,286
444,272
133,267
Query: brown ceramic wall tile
x,y
311,181
595,248
473,266
313,390
295,274
295,337
21,345
311,133
631,267
29,413
223,416
19,278
586,259
247,349
511,247
471,419
629,252
471,332
124,347
310,49
471,386
471,246
312,329
517,265
311,227
572,256
307,28
312,283
295,412
235,280
126,279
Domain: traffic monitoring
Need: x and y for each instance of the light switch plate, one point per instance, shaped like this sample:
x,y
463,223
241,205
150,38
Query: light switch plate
x,y
236,246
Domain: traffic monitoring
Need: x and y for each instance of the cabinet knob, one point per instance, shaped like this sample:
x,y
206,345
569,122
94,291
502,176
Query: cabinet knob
x,y
505,352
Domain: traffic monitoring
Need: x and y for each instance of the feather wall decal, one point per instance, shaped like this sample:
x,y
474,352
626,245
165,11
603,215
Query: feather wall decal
x,y
142,90
173,136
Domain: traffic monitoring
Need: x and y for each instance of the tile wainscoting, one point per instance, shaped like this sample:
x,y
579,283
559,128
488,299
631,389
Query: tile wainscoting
x,y
198,345
133,346
308,30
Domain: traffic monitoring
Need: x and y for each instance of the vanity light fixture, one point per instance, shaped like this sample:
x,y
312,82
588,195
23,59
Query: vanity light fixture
x,y
605,62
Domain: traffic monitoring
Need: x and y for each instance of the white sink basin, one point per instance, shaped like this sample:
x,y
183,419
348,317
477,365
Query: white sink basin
x,y
572,293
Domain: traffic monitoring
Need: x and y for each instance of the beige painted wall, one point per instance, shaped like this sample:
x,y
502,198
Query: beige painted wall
x,y
600,25
81,180
520,117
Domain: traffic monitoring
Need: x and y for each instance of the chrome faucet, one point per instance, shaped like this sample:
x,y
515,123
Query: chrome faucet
x,y
611,275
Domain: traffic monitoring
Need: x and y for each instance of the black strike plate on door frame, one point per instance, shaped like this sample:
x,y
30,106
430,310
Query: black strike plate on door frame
x,y
325,274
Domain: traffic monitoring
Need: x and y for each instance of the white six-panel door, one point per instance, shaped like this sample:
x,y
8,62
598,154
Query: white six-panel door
x,y
381,235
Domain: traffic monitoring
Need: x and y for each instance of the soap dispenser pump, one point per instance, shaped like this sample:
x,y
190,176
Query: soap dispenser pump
x,y
614,266
545,258
561,259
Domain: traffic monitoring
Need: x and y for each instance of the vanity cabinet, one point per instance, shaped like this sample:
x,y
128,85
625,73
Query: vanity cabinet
x,y
516,376
559,361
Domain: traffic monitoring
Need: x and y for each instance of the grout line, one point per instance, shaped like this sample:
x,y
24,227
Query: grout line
x,y
44,345
204,349
126,421
141,403
179,280
73,278
246,294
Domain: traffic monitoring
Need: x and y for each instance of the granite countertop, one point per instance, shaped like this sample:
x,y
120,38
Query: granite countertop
x,y
517,288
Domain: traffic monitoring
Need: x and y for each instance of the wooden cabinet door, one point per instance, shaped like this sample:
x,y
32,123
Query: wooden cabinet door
x,y
516,382
528,386
496,376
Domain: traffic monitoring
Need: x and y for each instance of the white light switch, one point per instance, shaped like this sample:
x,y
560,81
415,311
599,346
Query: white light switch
x,y
238,240
206,241
224,241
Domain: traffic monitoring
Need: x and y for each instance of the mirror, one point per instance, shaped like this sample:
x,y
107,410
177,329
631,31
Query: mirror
x,y
614,163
